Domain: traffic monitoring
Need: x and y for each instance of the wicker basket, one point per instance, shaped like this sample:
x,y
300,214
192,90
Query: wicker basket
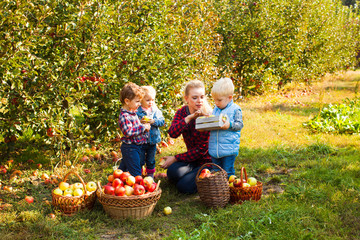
x,y
70,205
213,190
240,194
129,206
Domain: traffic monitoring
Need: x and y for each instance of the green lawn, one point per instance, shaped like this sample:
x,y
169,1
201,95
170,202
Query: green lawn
x,y
311,182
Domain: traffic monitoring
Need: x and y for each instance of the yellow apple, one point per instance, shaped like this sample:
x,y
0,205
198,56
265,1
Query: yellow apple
x,y
58,191
246,185
91,186
232,178
63,186
68,163
167,210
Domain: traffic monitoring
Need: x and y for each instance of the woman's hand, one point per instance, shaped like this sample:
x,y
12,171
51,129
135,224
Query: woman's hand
x,y
194,115
168,161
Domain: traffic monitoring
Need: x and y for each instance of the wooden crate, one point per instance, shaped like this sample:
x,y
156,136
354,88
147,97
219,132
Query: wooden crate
x,y
210,123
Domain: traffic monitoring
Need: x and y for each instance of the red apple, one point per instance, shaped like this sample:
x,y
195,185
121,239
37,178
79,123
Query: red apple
x,y
109,190
117,173
114,154
120,191
205,170
151,187
39,165
29,199
139,190
124,176
117,182
130,180
237,182
85,159
139,180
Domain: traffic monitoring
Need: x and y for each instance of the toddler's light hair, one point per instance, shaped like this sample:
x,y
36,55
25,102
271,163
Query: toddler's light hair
x,y
149,90
223,87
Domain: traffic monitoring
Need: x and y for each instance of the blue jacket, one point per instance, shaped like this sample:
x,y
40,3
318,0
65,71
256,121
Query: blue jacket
x,y
224,143
156,114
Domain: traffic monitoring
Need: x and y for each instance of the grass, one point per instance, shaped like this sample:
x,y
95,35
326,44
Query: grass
x,y
311,190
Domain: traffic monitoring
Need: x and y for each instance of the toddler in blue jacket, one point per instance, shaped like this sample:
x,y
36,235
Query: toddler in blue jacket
x,y
149,113
224,143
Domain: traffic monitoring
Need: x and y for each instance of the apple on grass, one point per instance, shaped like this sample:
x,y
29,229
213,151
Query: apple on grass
x,y
29,199
91,186
167,210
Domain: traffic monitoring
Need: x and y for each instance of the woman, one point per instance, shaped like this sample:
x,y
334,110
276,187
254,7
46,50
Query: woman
x,y
182,168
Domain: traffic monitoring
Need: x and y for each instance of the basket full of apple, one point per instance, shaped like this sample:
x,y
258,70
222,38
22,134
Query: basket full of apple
x,y
127,196
70,198
244,188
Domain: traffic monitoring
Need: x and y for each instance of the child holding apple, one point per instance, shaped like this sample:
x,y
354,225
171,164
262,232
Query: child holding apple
x,y
224,143
148,112
135,134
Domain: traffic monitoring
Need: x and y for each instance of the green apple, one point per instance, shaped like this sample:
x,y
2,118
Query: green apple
x,y
78,192
91,186
167,210
58,191
68,191
252,181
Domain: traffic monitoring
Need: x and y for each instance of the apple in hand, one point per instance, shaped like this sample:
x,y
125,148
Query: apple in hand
x,y
91,186
117,182
109,190
29,199
117,173
129,190
139,190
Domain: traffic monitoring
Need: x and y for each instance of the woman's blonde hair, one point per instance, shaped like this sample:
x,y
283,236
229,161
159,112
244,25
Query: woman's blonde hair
x,y
206,108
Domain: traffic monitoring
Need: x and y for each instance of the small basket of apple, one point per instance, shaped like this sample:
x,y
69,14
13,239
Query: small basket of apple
x,y
70,198
212,185
127,196
244,188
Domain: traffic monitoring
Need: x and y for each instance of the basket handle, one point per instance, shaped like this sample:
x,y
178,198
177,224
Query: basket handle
x,y
243,171
99,189
76,174
204,165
